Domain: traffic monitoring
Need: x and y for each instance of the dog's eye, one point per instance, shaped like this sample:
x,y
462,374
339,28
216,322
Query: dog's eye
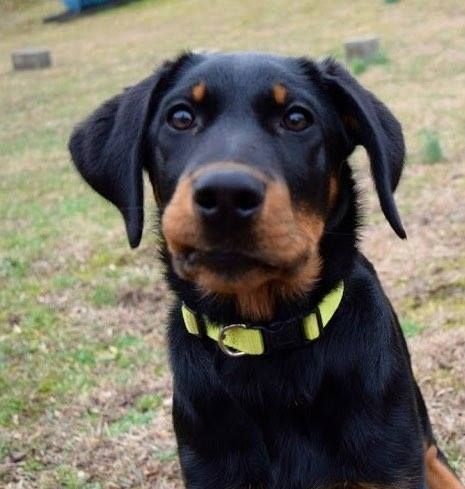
x,y
181,117
297,119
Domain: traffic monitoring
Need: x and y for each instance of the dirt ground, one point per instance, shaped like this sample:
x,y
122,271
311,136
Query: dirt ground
x,y
85,392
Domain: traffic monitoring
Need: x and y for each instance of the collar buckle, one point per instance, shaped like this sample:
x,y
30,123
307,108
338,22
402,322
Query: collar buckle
x,y
222,336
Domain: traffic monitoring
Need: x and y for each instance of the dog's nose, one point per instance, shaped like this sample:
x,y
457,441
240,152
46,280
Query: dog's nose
x,y
228,197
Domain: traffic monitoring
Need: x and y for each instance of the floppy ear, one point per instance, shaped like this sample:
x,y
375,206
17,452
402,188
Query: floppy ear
x,y
369,122
108,147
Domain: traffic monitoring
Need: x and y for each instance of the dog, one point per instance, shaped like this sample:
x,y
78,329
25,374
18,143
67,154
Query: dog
x,y
290,367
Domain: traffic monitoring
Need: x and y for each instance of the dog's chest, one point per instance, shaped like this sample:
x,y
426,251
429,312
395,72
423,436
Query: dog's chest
x,y
309,417
304,418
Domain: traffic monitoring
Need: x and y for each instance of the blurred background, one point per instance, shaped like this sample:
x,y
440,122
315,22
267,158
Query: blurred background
x,y
84,384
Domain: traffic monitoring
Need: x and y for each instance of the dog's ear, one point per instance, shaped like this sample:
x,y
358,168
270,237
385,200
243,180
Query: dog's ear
x,y
368,122
108,147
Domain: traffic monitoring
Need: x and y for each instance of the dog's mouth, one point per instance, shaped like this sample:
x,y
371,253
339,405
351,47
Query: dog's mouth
x,y
189,262
223,262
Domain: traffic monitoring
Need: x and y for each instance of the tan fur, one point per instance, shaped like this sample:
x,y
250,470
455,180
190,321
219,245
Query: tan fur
x,y
350,121
286,238
367,485
280,93
251,292
333,191
199,91
179,224
438,475
363,485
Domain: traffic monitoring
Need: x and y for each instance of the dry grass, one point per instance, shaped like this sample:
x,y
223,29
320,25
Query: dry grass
x,y
84,386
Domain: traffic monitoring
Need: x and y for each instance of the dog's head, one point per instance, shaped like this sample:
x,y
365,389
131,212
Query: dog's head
x,y
244,153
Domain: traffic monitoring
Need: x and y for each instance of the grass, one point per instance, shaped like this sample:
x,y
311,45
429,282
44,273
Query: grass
x,y
84,386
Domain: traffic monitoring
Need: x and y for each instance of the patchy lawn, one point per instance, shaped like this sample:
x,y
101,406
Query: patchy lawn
x,y
84,386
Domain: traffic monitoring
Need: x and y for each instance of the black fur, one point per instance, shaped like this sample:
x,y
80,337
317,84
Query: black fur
x,y
345,408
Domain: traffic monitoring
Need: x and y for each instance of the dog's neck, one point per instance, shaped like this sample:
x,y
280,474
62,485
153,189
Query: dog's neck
x,y
337,250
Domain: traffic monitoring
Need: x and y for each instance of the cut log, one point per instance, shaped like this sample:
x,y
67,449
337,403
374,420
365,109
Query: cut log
x,y
31,59
361,48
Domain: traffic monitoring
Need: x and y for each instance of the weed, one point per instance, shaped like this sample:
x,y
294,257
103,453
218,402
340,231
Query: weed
x,y
12,268
130,420
64,281
103,295
166,455
70,478
431,149
39,318
360,65
127,341
147,402
85,356
33,465
411,328
4,449
9,408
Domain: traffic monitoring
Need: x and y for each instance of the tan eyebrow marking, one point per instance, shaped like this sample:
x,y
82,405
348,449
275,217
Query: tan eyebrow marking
x,y
198,91
280,93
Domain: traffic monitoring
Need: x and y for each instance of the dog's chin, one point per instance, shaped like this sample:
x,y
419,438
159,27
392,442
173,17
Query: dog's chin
x,y
254,282
230,272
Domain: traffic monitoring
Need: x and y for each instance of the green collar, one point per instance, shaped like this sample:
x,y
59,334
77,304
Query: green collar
x,y
241,339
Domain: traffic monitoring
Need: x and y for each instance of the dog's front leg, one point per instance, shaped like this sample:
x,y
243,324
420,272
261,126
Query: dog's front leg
x,y
219,446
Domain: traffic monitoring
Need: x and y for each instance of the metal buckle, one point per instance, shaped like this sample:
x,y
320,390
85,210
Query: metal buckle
x,y
225,349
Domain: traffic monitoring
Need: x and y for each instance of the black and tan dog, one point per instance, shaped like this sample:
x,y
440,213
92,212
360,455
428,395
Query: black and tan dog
x,y
290,369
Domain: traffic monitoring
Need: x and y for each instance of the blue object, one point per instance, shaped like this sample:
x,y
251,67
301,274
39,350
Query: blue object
x,y
78,5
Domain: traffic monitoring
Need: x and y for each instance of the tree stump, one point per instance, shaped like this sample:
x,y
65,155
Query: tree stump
x,y
31,58
361,48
